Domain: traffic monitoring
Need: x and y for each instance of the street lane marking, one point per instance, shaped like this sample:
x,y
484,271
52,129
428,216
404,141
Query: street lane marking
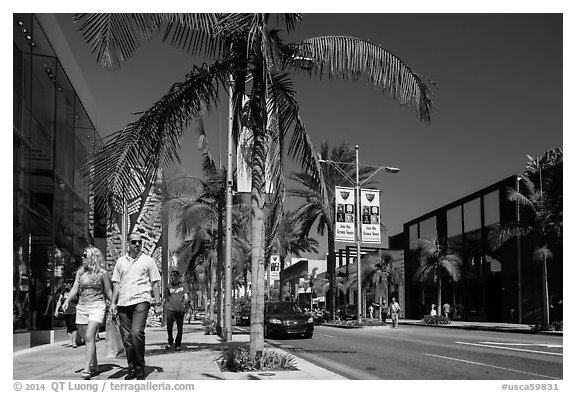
x,y
509,349
489,365
327,335
525,344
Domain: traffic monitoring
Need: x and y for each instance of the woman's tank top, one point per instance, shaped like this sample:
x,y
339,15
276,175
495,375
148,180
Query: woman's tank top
x,y
90,289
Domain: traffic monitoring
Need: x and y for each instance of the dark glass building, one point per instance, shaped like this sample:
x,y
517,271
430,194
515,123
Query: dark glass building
x,y
53,215
496,286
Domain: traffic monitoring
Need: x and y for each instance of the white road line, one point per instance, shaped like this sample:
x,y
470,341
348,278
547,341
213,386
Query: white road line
x,y
509,349
525,344
489,365
327,335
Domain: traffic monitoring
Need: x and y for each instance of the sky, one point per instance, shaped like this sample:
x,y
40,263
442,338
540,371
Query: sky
x,y
499,98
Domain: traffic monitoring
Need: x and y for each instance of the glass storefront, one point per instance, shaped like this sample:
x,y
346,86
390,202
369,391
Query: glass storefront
x,y
52,138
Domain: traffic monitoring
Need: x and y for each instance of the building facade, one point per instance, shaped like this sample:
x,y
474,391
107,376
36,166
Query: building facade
x,y
503,285
53,136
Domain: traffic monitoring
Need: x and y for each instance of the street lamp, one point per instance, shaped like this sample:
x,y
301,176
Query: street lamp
x,y
357,185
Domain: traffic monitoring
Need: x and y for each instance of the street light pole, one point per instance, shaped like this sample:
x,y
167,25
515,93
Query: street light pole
x,y
228,252
358,238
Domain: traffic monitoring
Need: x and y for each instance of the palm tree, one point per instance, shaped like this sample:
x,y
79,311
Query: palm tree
x,y
289,239
315,210
240,47
437,261
377,269
541,223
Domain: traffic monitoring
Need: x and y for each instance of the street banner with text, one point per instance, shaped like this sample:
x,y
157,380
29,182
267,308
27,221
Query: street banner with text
x,y
370,209
345,214
274,267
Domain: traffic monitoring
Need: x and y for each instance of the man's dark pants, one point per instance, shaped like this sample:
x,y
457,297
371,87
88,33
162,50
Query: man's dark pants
x,y
132,324
171,317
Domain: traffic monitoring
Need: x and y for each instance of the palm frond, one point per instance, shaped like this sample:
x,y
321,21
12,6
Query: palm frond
x,y
354,59
154,139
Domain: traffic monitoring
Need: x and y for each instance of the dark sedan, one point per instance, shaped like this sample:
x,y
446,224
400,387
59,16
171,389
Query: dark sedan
x,y
286,319
244,317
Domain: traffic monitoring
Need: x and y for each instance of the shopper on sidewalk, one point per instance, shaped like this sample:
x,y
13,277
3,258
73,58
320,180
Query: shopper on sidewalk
x,y
92,284
69,314
135,277
394,311
175,306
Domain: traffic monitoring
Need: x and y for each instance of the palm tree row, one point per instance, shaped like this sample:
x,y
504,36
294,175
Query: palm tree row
x,y
239,47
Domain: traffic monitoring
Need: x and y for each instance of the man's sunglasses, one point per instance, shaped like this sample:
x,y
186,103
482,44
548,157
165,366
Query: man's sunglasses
x,y
136,241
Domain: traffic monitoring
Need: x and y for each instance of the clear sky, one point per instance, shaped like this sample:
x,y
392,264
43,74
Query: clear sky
x,y
499,98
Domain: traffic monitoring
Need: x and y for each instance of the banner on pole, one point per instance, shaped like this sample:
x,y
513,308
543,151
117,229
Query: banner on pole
x,y
345,214
244,158
370,209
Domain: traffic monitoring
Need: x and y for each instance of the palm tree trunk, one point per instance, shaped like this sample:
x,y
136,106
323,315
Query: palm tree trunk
x,y
439,305
545,292
282,265
257,300
331,272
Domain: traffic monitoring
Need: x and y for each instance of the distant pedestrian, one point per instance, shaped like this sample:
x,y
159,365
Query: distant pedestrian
x,y
385,312
394,311
371,311
175,306
92,284
69,314
446,310
433,310
135,277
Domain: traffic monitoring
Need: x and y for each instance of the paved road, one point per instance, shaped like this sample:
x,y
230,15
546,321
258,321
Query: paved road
x,y
425,353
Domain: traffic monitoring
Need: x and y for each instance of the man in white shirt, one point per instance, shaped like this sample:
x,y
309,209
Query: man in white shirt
x,y
135,277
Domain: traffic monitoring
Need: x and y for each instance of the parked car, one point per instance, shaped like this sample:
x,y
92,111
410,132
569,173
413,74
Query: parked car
x,y
348,311
244,317
200,314
285,319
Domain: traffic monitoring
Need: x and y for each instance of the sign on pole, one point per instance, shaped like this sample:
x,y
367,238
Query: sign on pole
x,y
370,209
274,267
345,214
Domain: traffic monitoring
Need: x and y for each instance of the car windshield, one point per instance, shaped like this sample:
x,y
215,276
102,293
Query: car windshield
x,y
276,308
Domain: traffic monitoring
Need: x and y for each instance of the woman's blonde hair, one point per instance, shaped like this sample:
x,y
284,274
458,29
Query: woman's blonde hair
x,y
94,261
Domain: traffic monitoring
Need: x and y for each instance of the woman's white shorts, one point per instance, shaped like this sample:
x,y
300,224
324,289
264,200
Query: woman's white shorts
x,y
90,312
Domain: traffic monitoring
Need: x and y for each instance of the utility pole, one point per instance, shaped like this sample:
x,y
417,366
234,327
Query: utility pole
x,y
228,260
358,238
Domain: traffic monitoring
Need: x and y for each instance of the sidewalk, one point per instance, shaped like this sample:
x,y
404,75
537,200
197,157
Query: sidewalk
x,y
486,326
196,361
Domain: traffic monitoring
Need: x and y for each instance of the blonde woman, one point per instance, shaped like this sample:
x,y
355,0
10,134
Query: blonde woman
x,y
92,284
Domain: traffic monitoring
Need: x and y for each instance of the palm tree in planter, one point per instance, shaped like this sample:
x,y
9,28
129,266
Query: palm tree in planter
x,y
247,52
316,284
318,207
378,271
436,262
541,222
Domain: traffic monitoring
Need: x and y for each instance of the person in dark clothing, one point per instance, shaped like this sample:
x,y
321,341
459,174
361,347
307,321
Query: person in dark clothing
x,y
69,314
176,301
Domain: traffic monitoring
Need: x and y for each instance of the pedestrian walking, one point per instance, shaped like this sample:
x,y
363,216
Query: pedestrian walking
x,y
135,277
433,310
92,285
175,306
446,310
371,311
394,311
69,314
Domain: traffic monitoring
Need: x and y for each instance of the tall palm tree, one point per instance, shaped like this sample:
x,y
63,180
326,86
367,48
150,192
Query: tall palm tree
x,y
437,261
315,210
541,223
239,47
378,271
